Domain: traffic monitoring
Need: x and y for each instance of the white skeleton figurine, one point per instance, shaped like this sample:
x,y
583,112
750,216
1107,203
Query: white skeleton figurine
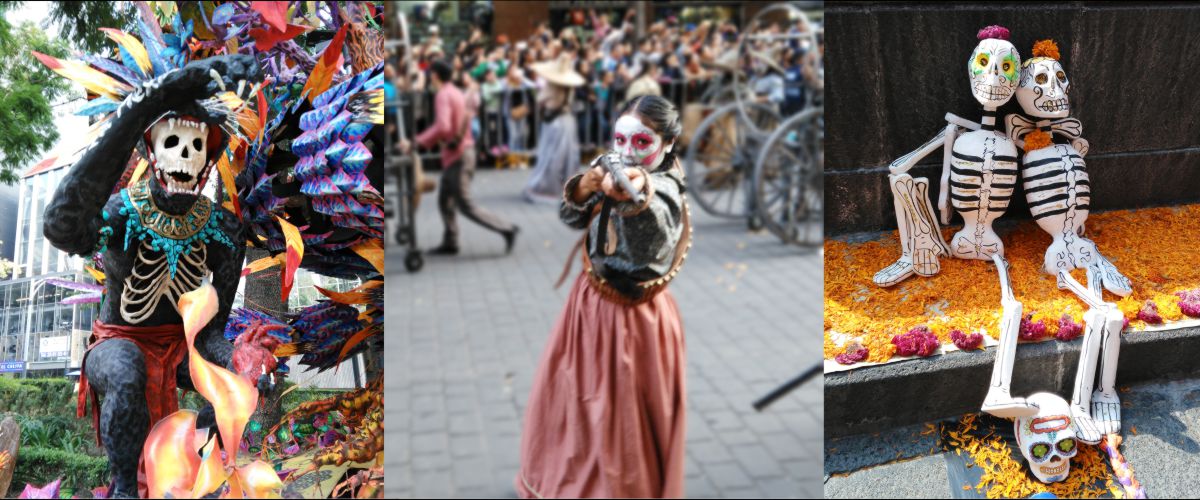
x,y
1057,190
979,173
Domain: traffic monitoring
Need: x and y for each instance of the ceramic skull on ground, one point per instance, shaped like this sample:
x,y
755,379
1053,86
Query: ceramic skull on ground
x,y
1047,439
180,154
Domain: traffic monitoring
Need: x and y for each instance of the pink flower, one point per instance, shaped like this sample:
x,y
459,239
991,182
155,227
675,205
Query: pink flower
x,y
966,342
1030,330
853,354
919,341
1149,313
1189,302
1068,329
993,31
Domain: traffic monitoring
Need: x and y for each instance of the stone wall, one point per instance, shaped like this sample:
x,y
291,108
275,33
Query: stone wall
x,y
893,71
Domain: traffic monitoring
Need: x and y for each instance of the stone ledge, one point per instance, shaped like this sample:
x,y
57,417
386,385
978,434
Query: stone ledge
x,y
876,398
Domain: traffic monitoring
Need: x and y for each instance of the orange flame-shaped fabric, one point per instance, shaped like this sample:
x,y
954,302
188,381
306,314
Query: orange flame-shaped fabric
x,y
233,398
170,454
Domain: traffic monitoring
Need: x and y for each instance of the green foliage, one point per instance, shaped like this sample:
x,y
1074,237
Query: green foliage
x,y
38,466
27,89
38,397
80,22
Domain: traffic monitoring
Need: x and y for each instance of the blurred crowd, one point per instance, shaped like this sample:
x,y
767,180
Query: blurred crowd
x,y
681,61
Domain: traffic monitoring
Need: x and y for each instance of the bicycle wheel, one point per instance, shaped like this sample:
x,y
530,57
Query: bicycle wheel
x,y
788,180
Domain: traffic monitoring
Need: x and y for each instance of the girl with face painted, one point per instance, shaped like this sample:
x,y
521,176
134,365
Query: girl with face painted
x,y
606,415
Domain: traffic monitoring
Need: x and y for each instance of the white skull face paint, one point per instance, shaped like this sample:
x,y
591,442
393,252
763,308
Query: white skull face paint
x,y
994,68
1043,89
1047,439
180,154
637,144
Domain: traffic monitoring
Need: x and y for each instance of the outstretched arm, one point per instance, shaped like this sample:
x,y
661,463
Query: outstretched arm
x,y
72,217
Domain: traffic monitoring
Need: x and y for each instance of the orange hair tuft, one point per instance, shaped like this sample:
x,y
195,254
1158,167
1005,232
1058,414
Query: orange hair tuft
x,y
1045,48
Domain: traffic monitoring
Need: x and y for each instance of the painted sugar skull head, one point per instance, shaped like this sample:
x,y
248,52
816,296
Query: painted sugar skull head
x,y
179,148
1044,85
994,67
1047,439
645,133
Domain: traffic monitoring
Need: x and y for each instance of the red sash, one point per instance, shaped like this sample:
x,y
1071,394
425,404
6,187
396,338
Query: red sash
x,y
164,347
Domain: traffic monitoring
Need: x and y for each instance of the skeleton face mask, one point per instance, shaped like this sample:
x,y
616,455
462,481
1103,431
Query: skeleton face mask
x,y
180,155
994,68
1043,89
1047,440
637,144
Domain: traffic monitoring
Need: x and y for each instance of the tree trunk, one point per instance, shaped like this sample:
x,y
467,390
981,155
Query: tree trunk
x,y
262,294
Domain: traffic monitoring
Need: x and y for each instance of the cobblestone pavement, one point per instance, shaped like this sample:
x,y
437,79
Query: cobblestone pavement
x,y
465,334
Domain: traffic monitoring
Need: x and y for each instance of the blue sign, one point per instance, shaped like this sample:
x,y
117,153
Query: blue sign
x,y
12,366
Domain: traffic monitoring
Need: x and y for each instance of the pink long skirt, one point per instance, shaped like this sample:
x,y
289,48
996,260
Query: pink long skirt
x,y
606,415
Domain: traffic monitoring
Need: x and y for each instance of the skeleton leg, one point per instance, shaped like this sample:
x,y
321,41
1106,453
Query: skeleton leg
x,y
999,401
1106,404
1095,322
920,237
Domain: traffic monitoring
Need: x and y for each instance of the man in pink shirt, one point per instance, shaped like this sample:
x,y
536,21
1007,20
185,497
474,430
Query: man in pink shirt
x,y
452,130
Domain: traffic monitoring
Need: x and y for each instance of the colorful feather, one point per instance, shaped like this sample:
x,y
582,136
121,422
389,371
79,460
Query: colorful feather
x,y
91,79
295,252
133,49
330,62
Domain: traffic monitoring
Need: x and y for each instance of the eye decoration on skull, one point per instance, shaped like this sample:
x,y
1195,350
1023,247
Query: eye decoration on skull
x,y
1040,451
1010,67
979,63
1067,447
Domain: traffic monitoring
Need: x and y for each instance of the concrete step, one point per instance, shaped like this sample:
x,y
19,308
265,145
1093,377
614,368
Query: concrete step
x,y
876,398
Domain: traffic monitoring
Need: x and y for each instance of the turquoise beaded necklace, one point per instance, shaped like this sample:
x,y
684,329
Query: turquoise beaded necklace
x,y
171,234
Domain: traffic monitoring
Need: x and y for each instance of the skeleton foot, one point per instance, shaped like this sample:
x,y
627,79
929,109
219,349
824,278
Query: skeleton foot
x,y
1106,412
1086,428
926,265
895,273
920,239
1112,279
1002,404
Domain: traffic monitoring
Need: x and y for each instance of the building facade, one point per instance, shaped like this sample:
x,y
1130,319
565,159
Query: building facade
x,y
35,328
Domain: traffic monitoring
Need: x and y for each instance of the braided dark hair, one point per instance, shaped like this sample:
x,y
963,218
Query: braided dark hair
x,y
661,116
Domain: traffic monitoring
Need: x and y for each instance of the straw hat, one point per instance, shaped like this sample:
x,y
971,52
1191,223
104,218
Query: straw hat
x,y
558,72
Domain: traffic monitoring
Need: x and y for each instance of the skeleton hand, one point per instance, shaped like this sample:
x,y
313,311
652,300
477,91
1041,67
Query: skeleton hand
x,y
185,89
208,77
